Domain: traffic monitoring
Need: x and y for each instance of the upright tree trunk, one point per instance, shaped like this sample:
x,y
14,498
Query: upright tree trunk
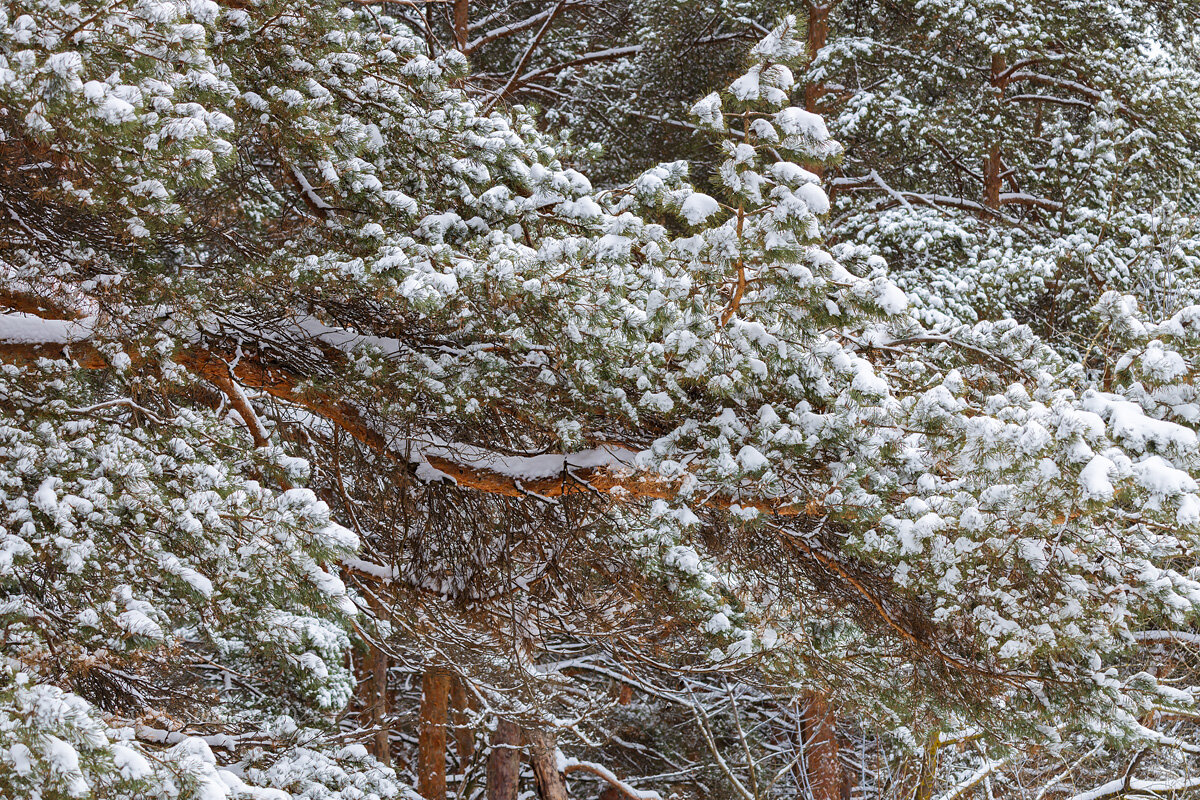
x,y
462,12
375,702
431,736
993,163
542,752
992,166
464,736
504,762
817,35
929,765
823,769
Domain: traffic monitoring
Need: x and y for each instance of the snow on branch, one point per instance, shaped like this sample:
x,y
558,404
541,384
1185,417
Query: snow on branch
x,y
603,469
569,765
1182,637
965,787
29,329
1152,788
511,28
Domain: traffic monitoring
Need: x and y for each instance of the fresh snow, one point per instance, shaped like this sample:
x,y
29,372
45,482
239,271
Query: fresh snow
x,y
20,328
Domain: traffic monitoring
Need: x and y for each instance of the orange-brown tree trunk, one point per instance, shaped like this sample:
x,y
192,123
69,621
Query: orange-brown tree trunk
x,y
823,769
431,735
375,702
464,736
991,177
542,753
504,762
993,163
462,13
816,37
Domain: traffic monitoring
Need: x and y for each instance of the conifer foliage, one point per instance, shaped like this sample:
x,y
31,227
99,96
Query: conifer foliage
x,y
319,369
1014,160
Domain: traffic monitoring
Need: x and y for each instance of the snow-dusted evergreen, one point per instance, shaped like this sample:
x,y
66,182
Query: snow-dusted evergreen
x,y
1019,160
326,374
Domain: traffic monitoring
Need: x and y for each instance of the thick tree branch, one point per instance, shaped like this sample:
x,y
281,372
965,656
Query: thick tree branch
x,y
605,470
37,304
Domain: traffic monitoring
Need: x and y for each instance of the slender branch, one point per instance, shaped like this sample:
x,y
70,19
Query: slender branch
x,y
516,73
575,765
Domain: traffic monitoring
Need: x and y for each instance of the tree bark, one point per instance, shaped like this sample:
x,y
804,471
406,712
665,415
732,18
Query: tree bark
x,y
431,736
929,765
542,752
504,762
375,701
252,370
462,13
816,36
993,164
464,736
823,769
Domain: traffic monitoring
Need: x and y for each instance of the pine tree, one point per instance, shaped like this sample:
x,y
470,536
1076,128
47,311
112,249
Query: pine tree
x,y
253,248
1018,160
